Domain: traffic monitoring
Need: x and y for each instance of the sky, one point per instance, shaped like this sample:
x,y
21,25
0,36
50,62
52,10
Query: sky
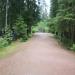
x,y
48,5
48,2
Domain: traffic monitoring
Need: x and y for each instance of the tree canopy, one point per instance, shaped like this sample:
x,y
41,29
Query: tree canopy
x,y
63,20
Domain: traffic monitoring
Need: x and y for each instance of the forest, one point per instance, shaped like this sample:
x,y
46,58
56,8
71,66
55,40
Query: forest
x,y
62,21
16,20
20,18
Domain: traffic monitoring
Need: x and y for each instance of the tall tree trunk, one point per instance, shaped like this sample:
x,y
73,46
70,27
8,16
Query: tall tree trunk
x,y
6,20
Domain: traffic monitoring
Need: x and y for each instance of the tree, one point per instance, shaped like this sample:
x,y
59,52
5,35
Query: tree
x,y
63,13
54,8
20,28
31,14
10,10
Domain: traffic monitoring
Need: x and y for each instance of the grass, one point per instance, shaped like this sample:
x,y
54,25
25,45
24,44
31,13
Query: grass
x,y
8,50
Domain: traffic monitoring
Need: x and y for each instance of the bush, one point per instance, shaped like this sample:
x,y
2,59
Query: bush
x,y
53,24
3,42
51,27
23,39
42,26
67,42
35,29
8,35
73,47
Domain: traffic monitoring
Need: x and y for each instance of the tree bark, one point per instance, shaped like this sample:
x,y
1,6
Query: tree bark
x,y
6,20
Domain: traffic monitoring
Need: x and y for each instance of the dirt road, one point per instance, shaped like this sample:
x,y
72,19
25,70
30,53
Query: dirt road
x,y
41,55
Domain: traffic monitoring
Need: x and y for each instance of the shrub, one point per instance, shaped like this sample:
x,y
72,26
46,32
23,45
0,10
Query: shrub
x,y
51,27
42,26
53,24
8,35
73,47
3,42
23,39
35,29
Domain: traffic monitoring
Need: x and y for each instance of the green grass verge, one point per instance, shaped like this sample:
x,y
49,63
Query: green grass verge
x,y
8,50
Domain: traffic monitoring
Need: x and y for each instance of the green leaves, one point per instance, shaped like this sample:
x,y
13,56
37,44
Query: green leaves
x,y
20,28
3,42
64,22
16,22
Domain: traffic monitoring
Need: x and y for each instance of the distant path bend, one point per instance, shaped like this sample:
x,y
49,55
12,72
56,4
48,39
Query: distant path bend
x,y
41,55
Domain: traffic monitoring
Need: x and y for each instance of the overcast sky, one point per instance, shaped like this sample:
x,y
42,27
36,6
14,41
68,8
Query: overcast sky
x,y
48,5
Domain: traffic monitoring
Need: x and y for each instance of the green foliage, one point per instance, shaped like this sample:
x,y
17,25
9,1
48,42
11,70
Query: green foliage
x,y
53,25
63,26
73,47
67,42
3,43
54,8
35,29
20,28
29,9
13,28
42,26
8,35
63,20
7,38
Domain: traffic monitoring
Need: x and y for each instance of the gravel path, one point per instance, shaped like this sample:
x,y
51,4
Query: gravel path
x,y
41,55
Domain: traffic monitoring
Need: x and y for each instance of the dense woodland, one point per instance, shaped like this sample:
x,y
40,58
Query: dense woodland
x,y
19,18
16,19
62,21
